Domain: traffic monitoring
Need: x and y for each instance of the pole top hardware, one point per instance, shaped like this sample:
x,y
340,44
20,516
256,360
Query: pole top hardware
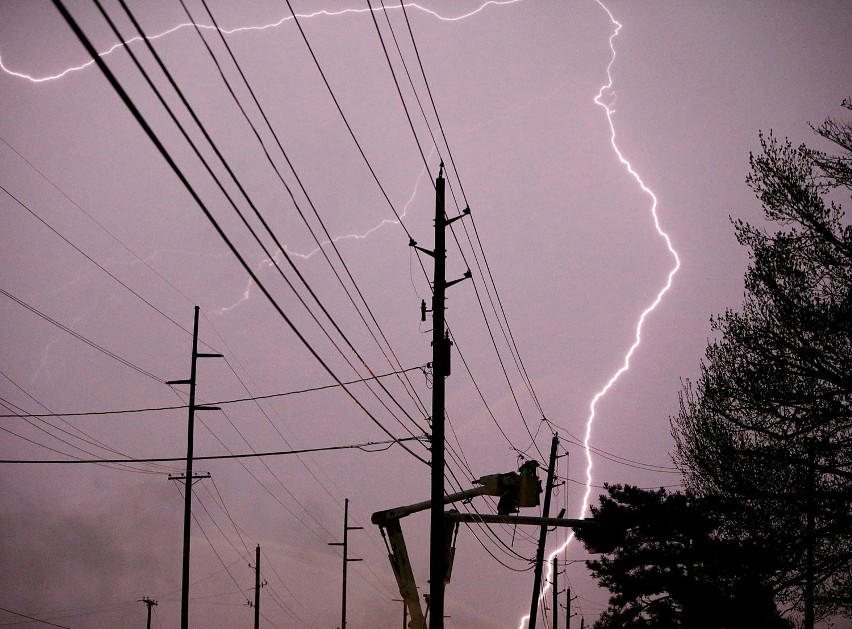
x,y
467,275
413,243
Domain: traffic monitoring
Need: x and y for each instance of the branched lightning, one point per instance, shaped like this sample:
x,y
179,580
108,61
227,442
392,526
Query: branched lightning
x,y
243,29
607,105
604,99
354,236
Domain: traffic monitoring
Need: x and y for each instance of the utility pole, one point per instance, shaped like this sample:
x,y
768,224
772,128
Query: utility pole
x,y
346,558
257,587
150,603
568,609
554,584
440,370
539,560
404,612
188,478
809,535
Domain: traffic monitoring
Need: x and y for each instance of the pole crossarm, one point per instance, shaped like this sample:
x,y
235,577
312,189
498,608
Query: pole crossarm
x,y
189,476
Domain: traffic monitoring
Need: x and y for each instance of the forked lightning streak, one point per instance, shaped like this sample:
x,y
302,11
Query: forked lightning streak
x,y
607,107
605,91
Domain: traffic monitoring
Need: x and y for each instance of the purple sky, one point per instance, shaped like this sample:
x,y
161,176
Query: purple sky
x,y
567,231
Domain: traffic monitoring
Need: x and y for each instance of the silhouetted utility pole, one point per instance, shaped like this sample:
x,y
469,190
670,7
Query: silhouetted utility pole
x,y
809,539
150,603
404,612
257,586
555,585
188,478
568,609
542,537
440,370
346,558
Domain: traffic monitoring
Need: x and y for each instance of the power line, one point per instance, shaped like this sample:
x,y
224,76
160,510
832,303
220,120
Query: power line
x,y
319,244
233,401
9,406
476,257
369,447
80,337
33,618
99,224
86,437
88,257
202,206
247,198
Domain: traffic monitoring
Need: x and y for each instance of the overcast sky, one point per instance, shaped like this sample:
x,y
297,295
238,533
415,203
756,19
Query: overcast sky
x,y
567,231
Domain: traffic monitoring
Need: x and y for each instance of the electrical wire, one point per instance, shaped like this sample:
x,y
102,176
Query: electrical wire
x,y
250,455
247,198
86,437
82,338
254,398
32,618
179,173
117,464
89,258
271,473
201,528
420,150
330,240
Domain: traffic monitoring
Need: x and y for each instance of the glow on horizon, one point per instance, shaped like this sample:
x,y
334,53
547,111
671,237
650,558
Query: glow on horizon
x,y
242,29
607,89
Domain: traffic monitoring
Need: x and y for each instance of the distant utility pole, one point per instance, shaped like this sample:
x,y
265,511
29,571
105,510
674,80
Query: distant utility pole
x,y
568,609
555,585
257,586
188,478
404,612
346,558
440,370
542,537
150,603
809,535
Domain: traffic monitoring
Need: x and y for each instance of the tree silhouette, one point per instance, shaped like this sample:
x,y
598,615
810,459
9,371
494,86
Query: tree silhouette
x,y
769,419
667,565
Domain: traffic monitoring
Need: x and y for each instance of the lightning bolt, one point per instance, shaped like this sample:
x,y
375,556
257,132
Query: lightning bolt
x,y
604,99
606,92
267,263
243,29
246,295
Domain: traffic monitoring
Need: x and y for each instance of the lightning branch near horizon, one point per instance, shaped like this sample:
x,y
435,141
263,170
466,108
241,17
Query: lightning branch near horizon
x,y
606,91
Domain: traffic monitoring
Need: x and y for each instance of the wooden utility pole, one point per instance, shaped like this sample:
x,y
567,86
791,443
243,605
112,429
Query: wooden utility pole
x,y
346,558
554,584
568,609
404,612
257,587
188,478
150,603
440,370
542,537
809,539
440,352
